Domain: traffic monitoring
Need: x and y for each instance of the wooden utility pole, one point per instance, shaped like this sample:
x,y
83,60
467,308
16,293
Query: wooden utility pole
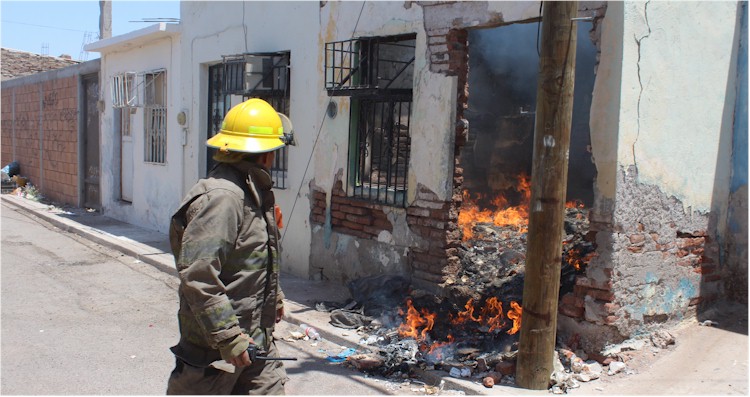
x,y
549,179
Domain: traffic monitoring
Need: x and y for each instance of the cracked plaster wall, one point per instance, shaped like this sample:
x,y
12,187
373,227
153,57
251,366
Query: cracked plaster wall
x,y
430,166
659,126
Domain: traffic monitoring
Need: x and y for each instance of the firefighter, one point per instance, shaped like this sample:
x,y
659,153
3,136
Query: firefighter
x,y
224,239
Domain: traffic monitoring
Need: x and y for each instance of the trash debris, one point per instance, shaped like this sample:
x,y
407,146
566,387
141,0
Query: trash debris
x,y
630,344
297,335
662,339
341,357
309,331
492,379
616,367
709,323
365,361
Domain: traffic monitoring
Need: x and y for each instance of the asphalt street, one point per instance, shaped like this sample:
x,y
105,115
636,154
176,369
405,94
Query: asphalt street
x,y
79,318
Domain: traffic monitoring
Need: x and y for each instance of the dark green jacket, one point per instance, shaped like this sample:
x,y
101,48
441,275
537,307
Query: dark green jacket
x,y
223,239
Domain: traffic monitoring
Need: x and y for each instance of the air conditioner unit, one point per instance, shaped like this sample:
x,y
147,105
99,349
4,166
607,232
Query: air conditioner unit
x,y
265,73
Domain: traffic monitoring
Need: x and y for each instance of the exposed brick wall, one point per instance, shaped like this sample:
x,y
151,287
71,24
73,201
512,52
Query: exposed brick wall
x,y
51,166
351,216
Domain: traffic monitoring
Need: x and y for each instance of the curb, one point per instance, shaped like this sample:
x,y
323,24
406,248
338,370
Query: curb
x,y
98,237
132,249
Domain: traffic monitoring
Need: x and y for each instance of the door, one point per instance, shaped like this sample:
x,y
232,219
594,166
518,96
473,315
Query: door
x,y
126,155
92,198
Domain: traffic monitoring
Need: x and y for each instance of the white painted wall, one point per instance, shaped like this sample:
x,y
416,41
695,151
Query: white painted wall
x,y
155,195
676,86
212,29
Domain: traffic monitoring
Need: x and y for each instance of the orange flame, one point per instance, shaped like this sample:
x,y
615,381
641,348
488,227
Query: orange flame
x,y
493,312
502,215
514,314
410,328
437,348
467,315
492,315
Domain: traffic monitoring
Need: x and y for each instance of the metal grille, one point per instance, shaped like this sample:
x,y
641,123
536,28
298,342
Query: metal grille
x,y
124,90
125,121
380,151
218,106
373,63
262,75
156,135
155,114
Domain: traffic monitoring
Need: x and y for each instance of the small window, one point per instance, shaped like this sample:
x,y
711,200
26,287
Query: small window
x,y
155,117
377,73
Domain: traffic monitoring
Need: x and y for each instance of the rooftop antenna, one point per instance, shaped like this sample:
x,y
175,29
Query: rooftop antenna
x,y
87,38
156,20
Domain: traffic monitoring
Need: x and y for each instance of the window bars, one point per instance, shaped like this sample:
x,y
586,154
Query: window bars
x,y
377,73
123,90
155,117
373,63
244,76
379,154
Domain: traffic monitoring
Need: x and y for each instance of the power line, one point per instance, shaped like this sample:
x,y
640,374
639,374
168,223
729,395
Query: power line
x,y
44,26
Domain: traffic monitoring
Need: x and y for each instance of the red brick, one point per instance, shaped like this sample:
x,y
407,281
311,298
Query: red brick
x,y
506,367
601,295
637,239
571,311
362,220
572,300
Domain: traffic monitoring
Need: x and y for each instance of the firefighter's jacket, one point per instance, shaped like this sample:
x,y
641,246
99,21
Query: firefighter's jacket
x,y
223,239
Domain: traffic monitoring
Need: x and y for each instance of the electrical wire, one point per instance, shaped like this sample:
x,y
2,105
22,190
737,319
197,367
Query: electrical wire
x,y
317,137
45,26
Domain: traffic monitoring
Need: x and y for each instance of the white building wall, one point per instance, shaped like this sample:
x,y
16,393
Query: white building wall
x,y
677,78
214,29
155,196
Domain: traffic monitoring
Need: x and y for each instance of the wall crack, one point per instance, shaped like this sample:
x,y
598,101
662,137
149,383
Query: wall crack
x,y
640,82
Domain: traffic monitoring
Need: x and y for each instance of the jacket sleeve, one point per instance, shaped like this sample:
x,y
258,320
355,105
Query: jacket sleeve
x,y
209,237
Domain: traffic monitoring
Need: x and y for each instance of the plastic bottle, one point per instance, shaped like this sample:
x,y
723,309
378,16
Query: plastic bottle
x,y
311,332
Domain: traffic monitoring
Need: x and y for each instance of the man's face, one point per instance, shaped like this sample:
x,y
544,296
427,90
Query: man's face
x,y
267,159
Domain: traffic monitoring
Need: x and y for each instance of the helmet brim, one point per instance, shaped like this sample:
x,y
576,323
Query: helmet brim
x,y
237,143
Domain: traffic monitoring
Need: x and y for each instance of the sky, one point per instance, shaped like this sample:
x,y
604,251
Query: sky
x,y
62,27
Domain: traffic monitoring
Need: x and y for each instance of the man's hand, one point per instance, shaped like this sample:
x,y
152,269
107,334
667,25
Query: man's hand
x,y
279,314
235,352
243,360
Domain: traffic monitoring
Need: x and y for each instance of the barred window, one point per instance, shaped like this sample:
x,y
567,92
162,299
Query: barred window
x,y
155,118
377,73
381,149
244,76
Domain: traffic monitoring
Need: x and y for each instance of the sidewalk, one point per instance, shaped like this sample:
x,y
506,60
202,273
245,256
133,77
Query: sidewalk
x,y
153,248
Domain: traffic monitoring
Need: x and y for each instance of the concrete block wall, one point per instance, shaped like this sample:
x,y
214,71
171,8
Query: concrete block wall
x,y
40,129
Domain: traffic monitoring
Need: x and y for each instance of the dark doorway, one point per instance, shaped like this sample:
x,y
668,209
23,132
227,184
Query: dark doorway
x,y
90,117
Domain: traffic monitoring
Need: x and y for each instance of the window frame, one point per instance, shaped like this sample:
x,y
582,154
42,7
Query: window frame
x,y
367,78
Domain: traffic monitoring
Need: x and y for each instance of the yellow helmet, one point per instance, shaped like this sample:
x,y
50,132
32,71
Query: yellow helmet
x,y
252,126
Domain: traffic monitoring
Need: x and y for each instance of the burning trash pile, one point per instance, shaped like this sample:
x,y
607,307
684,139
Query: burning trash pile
x,y
472,332
493,255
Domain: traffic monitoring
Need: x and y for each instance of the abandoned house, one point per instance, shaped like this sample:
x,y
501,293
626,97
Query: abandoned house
x,y
414,124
